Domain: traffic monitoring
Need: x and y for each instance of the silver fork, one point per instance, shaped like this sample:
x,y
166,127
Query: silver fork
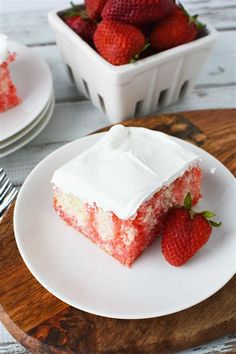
x,y
7,192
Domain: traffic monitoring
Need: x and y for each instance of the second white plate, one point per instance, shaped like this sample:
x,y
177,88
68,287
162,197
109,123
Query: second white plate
x,y
28,128
33,80
30,134
82,275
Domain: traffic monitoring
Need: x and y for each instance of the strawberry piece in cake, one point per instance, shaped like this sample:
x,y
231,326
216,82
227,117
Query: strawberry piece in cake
x,y
117,192
8,93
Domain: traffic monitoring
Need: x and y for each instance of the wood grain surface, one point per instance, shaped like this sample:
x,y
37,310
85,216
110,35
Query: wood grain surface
x,y
44,324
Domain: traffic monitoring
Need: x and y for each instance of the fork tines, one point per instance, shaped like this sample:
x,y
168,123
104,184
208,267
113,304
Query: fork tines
x,y
7,192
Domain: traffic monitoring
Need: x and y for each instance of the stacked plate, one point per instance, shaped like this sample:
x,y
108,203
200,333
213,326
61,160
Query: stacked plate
x,y
33,80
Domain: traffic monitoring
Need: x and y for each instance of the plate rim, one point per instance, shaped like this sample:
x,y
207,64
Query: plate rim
x,y
32,133
88,309
12,139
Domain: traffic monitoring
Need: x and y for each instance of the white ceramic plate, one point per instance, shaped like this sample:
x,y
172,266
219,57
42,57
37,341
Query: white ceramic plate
x,y
30,135
28,128
33,80
79,273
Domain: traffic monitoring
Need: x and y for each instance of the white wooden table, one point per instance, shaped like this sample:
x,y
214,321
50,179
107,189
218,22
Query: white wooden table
x,y
25,21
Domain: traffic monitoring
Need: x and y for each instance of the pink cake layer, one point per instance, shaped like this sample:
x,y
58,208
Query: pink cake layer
x,y
8,94
126,240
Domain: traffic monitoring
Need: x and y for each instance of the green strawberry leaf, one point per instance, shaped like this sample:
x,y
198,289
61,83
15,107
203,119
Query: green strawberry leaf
x,y
137,55
134,59
147,45
71,13
76,11
73,5
188,201
208,214
214,224
192,19
198,24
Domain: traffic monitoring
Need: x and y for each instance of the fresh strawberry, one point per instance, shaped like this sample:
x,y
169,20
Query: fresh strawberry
x,y
94,8
137,11
85,28
185,232
175,29
117,42
78,20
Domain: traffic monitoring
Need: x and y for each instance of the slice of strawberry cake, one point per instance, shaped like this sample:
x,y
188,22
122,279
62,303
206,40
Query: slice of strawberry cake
x,y
117,192
8,94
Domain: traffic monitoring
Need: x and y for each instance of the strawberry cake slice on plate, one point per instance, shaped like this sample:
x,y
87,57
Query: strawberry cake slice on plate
x,y
8,93
118,192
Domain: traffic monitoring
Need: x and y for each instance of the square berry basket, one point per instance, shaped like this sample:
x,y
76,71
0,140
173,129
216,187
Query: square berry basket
x,y
134,89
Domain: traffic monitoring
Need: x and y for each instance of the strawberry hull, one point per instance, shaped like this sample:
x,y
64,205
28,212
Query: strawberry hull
x,y
126,240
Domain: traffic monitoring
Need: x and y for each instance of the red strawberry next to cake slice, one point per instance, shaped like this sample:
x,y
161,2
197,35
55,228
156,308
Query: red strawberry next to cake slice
x,y
118,192
8,93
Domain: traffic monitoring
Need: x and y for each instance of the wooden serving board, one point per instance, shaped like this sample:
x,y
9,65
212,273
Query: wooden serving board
x,y
44,324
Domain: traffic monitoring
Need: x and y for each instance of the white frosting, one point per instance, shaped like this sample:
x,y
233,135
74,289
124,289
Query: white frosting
x,y
123,169
3,48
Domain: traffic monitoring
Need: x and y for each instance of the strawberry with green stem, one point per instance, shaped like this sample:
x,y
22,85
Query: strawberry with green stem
x,y
78,20
185,231
175,29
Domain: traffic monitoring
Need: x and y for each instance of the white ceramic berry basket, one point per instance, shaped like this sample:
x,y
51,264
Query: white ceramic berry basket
x,y
134,89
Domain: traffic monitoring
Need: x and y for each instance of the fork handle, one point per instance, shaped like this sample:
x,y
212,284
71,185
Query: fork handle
x,y
9,201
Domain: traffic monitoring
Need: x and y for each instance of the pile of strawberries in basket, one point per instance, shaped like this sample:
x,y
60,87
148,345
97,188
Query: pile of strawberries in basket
x,y
123,31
